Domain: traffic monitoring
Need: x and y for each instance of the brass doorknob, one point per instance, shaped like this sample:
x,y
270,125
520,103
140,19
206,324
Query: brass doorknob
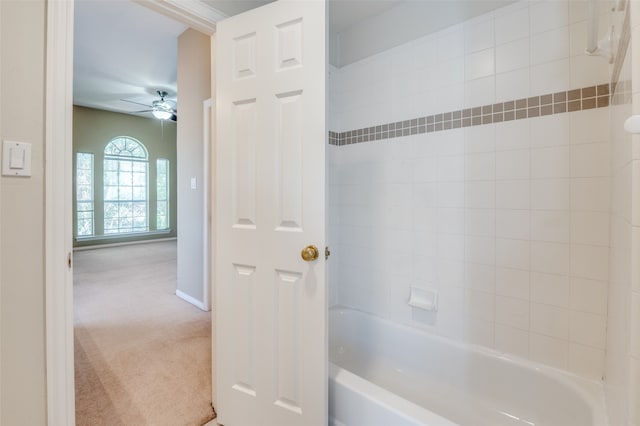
x,y
309,253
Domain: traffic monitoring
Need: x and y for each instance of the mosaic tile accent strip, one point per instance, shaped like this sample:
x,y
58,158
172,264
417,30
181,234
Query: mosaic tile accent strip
x,y
536,106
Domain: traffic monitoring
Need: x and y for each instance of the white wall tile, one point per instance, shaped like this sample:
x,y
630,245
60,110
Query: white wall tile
x,y
551,194
480,91
547,15
512,283
550,46
588,71
586,361
512,312
451,194
512,85
552,258
590,125
480,222
513,253
550,130
512,194
451,168
480,139
512,164
550,77
512,56
450,142
512,26
551,226
480,250
450,221
480,194
480,305
450,273
549,350
553,162
512,340
577,38
590,228
550,289
589,295
480,64
550,321
479,35
588,329
451,43
590,262
480,166
590,194
425,170
590,160
513,224
480,277
514,134
479,332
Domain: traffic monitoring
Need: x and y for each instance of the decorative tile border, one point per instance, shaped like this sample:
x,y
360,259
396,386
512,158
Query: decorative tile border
x,y
536,106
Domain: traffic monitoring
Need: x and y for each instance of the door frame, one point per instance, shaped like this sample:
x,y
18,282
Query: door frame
x,y
58,190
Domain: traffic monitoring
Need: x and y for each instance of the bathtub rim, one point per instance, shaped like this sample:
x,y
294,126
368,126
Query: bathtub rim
x,y
400,406
591,391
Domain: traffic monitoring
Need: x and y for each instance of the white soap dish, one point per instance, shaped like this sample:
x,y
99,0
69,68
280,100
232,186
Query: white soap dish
x,y
423,298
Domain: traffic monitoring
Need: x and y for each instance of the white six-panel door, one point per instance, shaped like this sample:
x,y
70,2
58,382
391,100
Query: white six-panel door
x,y
270,319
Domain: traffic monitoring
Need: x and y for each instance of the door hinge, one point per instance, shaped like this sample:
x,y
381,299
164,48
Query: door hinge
x,y
327,252
69,260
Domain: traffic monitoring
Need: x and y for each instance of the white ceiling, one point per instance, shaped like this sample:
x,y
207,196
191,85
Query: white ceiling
x,y
123,50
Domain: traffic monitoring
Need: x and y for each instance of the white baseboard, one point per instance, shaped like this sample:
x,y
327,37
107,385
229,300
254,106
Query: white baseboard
x,y
195,302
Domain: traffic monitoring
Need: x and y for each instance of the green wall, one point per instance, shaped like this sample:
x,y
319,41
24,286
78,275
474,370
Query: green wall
x,y
92,130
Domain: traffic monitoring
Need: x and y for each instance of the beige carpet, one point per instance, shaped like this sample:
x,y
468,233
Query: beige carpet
x,y
143,356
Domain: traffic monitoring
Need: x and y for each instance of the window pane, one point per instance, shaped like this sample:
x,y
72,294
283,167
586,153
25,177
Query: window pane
x,y
125,181
162,193
111,193
110,178
85,207
124,178
84,194
139,193
139,179
125,193
139,166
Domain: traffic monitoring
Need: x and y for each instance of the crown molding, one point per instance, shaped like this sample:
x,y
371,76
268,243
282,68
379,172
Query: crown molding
x,y
195,13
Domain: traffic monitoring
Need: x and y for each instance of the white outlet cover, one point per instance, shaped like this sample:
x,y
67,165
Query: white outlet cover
x,y
20,152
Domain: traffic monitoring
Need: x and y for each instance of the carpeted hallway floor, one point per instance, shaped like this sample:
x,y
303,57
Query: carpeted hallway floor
x,y
143,356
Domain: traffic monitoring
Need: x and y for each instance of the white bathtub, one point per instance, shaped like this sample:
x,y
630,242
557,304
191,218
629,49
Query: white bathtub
x,y
387,374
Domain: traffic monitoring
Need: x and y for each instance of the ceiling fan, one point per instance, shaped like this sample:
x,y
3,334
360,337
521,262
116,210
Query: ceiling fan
x,y
161,109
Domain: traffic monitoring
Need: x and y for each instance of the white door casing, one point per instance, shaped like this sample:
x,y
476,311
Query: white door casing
x,y
271,309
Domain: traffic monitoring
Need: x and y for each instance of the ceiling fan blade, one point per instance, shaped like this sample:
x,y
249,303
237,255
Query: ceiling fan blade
x,y
137,103
140,112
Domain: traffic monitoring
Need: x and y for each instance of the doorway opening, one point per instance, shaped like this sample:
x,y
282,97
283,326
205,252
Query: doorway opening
x,y
142,326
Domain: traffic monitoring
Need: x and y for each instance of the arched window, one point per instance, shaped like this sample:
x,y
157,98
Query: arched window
x,y
125,186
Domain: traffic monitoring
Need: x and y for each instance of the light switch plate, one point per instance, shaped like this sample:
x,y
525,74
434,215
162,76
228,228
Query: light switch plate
x,y
16,158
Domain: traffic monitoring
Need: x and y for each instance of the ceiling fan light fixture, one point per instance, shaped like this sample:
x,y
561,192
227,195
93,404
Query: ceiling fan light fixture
x,y
161,114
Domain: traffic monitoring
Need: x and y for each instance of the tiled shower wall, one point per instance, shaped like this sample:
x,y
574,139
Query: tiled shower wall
x,y
508,220
623,337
